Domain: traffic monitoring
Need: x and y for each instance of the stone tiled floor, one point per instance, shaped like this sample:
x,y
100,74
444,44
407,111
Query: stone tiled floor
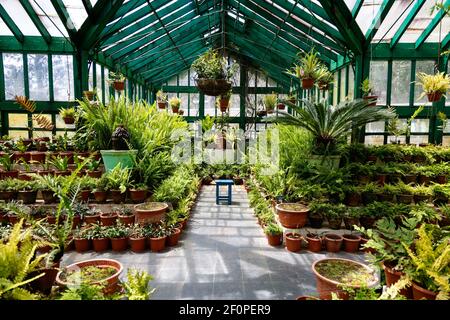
x,y
223,254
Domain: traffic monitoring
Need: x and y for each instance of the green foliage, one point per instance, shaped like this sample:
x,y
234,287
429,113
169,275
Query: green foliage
x,y
118,178
273,229
366,87
136,287
174,188
6,162
210,65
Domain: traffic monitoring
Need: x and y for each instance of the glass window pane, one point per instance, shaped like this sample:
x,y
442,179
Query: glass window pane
x,y
38,77
16,134
446,141
271,83
335,89
48,116
374,140
378,78
401,79
107,86
210,105
261,80
235,104
183,78
351,83
420,125
375,126
251,78
172,81
91,76
98,78
194,104
13,71
192,77
63,81
236,80
184,102
398,139
342,85
418,139
18,120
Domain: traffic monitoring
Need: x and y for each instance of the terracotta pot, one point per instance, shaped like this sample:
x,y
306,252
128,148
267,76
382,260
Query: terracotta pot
x,y
92,219
117,196
18,156
8,195
161,105
94,174
363,179
51,219
112,282
82,245
314,243
27,197
274,240
100,244
48,196
62,173
307,83
334,223
281,106
100,196
119,244
353,199
349,222
421,198
386,197
369,98
363,242
76,221
45,172
424,180
409,178
38,156
333,242
315,221
405,198
393,276
441,179
369,197
137,244
84,195
420,293
119,85
89,95
292,219
293,244
172,239
434,96
127,220
157,244
69,120
108,219
45,283
13,219
144,215
351,242
419,158
138,196
372,158
175,109
68,155
9,174
326,286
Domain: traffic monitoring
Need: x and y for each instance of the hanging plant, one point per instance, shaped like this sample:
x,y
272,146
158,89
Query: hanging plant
x,y
433,86
161,97
306,69
68,115
270,101
117,80
175,103
367,88
224,101
213,73
324,78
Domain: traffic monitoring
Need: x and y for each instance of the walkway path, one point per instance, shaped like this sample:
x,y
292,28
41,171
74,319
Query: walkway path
x,y
223,254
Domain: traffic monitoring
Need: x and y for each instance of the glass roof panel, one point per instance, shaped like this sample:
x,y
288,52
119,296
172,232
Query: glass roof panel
x,y
20,17
76,11
367,14
420,22
49,17
127,14
440,31
4,30
350,4
393,20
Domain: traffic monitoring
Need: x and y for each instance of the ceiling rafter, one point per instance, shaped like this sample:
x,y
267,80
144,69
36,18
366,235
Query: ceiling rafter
x,y
64,16
405,24
36,20
386,5
434,22
11,24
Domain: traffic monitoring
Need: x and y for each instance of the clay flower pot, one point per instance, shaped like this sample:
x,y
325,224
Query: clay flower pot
x,y
137,244
117,196
392,276
326,285
420,293
100,244
367,222
315,221
293,242
333,242
307,83
48,196
274,239
100,196
94,174
119,85
82,245
172,239
27,197
108,219
349,222
314,243
351,242
157,244
38,156
292,215
112,282
405,198
119,244
161,104
45,283
150,212
281,106
421,198
92,219
8,195
127,220
9,174
434,96
334,223
137,196
353,199
371,98
84,195
69,120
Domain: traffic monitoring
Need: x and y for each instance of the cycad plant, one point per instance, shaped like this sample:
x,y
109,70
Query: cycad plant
x,y
331,124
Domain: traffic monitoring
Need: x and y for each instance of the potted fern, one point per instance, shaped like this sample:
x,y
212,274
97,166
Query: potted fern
x,y
175,104
307,68
117,80
118,179
433,86
324,78
68,115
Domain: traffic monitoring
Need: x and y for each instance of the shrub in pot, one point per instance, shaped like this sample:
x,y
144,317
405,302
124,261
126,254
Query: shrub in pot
x,y
334,214
293,241
92,216
119,237
137,238
351,217
175,103
118,179
27,192
422,193
101,190
274,234
99,236
405,193
8,189
434,86
68,115
7,164
150,212
125,215
157,235
353,197
369,193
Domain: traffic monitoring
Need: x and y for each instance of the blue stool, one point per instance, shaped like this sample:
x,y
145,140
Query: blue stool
x,y
227,198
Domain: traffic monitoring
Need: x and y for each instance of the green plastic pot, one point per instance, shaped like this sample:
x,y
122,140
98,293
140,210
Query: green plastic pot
x,y
111,158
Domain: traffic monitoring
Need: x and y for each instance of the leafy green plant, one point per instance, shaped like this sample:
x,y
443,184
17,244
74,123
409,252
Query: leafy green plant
x,y
118,231
273,229
330,125
116,77
118,178
270,100
67,112
439,82
210,65
60,163
137,285
6,162
366,87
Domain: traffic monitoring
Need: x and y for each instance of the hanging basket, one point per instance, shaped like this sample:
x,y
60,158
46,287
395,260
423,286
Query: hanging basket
x,y
213,87
162,104
434,96
119,85
307,83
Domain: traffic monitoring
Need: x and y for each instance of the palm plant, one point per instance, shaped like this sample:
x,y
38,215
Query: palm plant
x,y
330,124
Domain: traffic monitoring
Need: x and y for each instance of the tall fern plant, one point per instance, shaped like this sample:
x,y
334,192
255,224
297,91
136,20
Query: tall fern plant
x,y
330,125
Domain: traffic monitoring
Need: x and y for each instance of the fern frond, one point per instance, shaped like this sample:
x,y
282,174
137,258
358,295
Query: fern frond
x,y
25,103
43,122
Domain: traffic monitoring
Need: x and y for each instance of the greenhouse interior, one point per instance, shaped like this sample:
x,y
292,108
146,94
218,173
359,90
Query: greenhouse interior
x,y
224,150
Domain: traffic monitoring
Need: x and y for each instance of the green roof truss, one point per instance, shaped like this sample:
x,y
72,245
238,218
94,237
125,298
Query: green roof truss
x,y
437,18
386,5
36,21
11,25
405,24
